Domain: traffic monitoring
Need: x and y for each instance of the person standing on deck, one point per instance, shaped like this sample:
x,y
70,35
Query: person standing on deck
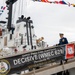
x,y
62,40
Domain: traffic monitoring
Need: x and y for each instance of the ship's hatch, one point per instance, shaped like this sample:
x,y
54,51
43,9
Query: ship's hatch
x,y
0,32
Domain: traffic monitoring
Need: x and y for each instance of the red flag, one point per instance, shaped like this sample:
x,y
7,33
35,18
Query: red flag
x,y
56,2
4,8
44,0
62,2
69,51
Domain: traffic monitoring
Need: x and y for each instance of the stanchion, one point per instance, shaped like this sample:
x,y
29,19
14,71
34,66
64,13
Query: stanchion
x,y
34,71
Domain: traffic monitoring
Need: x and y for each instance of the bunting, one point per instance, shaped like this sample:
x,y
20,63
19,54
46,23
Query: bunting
x,y
2,8
73,5
56,2
62,2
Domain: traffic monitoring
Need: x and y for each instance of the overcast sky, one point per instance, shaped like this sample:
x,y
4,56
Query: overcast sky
x,y
49,19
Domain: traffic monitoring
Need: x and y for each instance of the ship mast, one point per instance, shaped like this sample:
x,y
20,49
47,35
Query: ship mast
x,y
10,4
28,21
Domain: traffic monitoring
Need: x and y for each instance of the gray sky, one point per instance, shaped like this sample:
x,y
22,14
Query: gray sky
x,y
49,19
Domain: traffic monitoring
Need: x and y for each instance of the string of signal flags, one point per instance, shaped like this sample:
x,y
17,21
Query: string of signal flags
x,y
56,2
2,8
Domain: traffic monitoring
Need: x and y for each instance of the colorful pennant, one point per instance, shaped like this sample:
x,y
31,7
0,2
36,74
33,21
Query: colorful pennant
x,y
62,2
2,9
56,2
73,5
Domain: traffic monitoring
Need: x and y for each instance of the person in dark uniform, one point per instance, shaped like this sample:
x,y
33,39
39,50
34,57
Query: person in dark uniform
x,y
62,40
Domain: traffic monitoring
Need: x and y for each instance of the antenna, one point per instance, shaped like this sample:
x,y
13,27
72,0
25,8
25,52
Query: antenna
x,y
9,5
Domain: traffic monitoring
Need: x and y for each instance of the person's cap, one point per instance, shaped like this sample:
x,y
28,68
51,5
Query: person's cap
x,y
61,34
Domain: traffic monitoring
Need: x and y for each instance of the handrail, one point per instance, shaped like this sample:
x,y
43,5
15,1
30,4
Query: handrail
x,y
32,51
36,58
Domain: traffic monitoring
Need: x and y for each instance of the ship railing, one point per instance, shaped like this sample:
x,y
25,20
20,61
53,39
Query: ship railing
x,y
39,58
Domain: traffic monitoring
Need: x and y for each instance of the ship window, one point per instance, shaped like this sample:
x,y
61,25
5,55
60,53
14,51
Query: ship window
x,y
5,41
34,47
0,32
10,36
21,40
24,25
